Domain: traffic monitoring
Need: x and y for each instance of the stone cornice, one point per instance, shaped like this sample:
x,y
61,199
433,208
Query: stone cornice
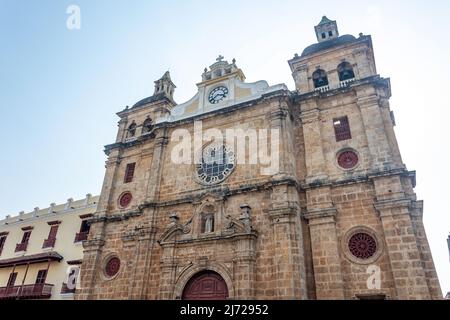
x,y
220,237
143,139
384,206
321,213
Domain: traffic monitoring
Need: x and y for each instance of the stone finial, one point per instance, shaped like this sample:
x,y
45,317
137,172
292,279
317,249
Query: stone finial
x,y
36,212
21,214
68,205
165,86
88,199
52,208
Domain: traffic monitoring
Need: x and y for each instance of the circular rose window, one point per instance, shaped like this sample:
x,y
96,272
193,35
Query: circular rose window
x,y
347,159
362,246
112,267
125,199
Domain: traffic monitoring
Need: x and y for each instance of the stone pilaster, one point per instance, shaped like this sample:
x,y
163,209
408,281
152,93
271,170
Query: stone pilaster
x,y
94,246
91,260
245,267
156,167
364,66
321,217
168,272
300,75
288,244
314,156
279,118
381,155
425,251
147,240
401,245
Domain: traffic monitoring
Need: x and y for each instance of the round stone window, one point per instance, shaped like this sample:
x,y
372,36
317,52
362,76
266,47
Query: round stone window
x,y
125,199
347,159
112,267
362,246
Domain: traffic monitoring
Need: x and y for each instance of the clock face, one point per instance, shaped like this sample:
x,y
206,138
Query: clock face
x,y
218,94
217,163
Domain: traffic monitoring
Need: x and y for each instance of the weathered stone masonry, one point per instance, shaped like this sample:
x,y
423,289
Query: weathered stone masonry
x,y
340,202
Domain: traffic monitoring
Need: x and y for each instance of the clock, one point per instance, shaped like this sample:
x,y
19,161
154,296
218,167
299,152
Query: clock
x,y
217,163
218,94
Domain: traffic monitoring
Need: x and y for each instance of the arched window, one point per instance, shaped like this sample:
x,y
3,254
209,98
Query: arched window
x,y
320,78
345,71
131,130
147,126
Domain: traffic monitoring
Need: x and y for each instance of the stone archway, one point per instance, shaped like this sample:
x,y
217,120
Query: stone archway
x,y
206,285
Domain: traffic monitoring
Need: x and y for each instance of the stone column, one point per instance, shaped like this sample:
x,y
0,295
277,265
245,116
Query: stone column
x,y
321,216
401,243
314,157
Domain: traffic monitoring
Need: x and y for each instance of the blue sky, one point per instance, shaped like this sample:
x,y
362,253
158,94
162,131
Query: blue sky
x,y
60,89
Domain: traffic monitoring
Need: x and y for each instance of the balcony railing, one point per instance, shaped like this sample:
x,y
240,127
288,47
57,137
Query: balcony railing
x,y
21,246
49,243
346,83
66,290
323,89
33,291
81,236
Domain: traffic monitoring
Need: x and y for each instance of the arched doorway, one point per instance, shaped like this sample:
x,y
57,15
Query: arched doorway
x,y
207,285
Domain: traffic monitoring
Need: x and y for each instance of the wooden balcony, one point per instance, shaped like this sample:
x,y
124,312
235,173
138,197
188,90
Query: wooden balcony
x,y
49,243
21,246
33,291
81,236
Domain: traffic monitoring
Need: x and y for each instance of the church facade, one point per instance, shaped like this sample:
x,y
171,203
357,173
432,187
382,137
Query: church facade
x,y
319,205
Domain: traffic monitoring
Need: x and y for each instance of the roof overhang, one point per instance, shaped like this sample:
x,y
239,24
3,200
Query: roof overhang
x,y
31,259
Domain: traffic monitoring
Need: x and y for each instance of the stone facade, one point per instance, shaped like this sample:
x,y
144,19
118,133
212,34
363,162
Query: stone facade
x,y
287,235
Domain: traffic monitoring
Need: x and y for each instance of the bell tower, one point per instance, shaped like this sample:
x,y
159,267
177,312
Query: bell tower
x,y
165,86
326,30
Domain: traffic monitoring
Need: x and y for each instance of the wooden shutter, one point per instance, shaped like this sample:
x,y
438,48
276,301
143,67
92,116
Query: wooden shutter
x,y
53,232
129,172
342,129
26,236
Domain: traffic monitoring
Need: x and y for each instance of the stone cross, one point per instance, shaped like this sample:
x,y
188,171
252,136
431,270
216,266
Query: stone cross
x,y
220,58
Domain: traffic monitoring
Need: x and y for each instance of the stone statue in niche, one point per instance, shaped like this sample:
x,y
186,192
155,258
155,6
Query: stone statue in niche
x,y
245,217
208,223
